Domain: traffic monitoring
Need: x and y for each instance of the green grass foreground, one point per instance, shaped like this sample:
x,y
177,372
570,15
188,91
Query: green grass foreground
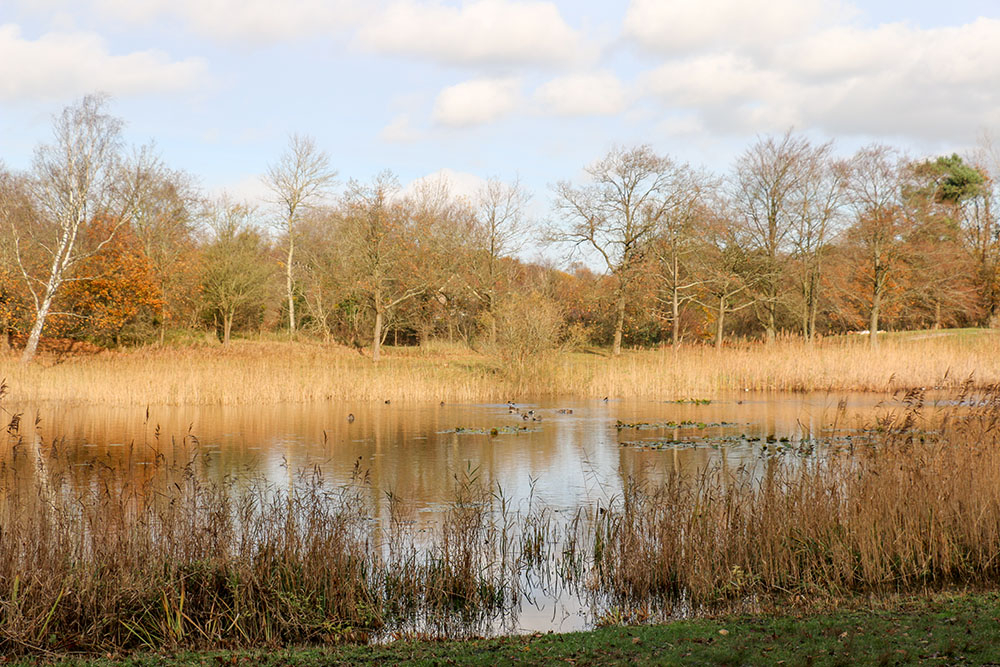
x,y
939,630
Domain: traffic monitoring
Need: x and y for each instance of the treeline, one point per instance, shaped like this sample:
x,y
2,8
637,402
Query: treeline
x,y
102,241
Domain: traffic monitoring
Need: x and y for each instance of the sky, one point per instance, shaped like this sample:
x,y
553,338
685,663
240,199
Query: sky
x,y
526,89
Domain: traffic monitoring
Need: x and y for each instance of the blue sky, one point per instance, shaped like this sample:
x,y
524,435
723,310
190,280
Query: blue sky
x,y
498,87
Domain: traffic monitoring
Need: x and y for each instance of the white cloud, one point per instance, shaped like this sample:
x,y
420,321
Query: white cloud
x,y
399,131
934,84
249,21
481,32
592,94
62,64
456,183
247,188
476,102
675,26
711,80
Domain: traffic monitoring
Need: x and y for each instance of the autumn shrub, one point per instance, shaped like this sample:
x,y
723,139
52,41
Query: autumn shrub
x,y
530,331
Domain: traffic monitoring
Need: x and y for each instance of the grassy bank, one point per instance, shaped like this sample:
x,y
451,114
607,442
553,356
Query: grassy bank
x,y
248,373
934,630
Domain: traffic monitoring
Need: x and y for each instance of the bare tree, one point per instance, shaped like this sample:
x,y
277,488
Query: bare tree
x,y
375,226
817,207
164,210
300,176
326,273
768,177
74,181
874,195
982,226
618,213
678,241
440,227
500,220
727,269
15,207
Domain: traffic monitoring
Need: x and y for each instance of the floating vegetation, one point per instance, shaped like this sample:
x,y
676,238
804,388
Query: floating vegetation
x,y
496,430
766,445
620,425
714,443
691,401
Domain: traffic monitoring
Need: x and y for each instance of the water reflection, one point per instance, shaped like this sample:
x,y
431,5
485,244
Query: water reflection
x,y
417,451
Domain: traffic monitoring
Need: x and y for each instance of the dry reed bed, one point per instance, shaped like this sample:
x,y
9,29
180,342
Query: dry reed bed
x,y
101,557
251,373
915,505
792,365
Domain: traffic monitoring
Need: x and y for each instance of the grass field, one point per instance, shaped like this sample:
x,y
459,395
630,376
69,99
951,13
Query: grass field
x,y
938,630
257,372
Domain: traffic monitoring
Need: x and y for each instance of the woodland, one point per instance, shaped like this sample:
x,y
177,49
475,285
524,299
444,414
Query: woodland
x,y
104,242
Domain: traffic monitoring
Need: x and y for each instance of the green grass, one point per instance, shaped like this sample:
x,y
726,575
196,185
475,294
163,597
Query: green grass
x,y
939,630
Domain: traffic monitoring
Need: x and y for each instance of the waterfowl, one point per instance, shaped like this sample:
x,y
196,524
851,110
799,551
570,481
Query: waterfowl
x,y
350,418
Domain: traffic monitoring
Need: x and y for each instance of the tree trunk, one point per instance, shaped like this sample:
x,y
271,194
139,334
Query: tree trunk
x,y
289,284
227,327
771,325
36,329
675,332
812,320
377,334
937,314
619,324
873,319
805,318
812,287
720,323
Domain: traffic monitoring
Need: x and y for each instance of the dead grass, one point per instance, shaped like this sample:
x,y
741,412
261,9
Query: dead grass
x,y
248,372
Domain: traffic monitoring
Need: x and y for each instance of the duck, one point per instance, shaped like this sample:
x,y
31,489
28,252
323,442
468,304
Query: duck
x,y
350,418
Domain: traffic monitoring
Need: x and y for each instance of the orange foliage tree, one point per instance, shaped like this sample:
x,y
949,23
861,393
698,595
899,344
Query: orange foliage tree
x,y
114,295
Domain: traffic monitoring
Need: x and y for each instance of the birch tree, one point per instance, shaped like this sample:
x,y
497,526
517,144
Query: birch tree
x,y
74,180
299,178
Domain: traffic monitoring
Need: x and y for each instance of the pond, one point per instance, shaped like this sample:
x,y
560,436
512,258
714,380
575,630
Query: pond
x,y
561,455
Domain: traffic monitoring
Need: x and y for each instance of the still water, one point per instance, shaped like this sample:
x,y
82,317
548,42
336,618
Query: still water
x,y
562,455
565,453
